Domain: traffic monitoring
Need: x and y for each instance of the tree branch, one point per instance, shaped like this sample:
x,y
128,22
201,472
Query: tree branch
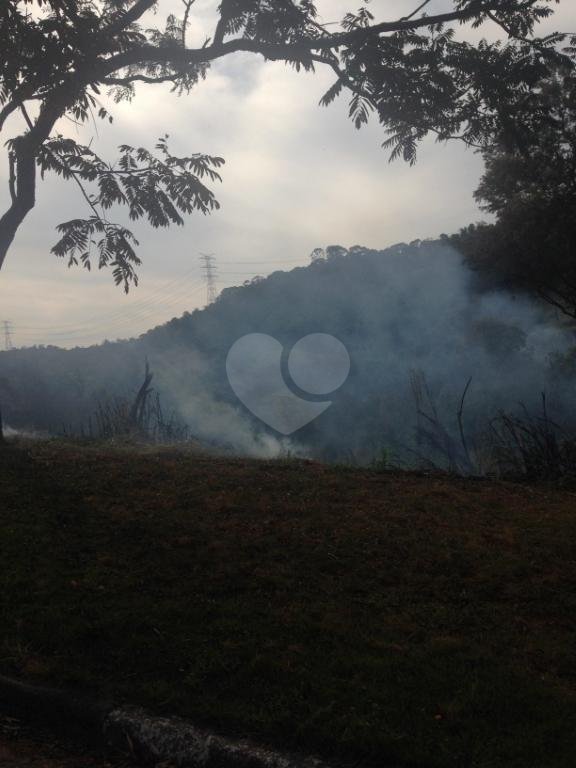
x,y
12,176
221,26
7,110
188,4
65,164
139,79
125,18
18,98
417,10
25,150
149,54
23,188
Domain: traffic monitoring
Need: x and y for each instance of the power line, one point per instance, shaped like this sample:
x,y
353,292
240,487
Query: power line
x,y
8,331
148,300
79,335
269,262
210,272
158,301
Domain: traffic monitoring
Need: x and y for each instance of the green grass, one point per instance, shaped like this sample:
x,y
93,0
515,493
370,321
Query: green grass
x,y
362,615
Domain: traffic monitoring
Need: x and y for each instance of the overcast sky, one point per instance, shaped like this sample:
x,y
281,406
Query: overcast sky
x,y
297,176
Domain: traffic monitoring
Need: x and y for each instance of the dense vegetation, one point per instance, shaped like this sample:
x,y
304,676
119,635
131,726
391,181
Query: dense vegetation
x,y
532,193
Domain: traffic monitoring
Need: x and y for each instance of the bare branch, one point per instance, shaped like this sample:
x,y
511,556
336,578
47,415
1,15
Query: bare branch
x,y
139,79
221,26
188,4
12,176
461,426
7,110
124,18
417,10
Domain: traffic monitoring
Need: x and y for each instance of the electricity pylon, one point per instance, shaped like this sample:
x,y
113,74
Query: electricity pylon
x,y
8,331
210,271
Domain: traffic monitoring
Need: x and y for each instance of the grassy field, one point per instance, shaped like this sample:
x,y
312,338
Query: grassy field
x,y
387,618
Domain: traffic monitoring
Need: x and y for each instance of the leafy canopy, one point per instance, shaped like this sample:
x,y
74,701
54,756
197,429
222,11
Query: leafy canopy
x,y
415,74
531,190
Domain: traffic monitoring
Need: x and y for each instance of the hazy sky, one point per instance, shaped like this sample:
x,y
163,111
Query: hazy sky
x,y
297,176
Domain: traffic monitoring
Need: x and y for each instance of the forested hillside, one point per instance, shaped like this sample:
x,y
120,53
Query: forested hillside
x,y
418,325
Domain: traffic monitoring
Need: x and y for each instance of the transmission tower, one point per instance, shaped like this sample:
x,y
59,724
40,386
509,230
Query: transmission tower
x,y
210,271
8,331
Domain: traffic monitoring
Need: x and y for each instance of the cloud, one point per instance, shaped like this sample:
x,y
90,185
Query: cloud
x,y
297,176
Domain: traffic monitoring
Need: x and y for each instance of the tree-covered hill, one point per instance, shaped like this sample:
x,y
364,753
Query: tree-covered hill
x,y
414,319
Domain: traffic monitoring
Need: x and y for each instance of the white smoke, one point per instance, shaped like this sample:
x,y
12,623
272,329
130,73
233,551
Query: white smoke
x,y
26,434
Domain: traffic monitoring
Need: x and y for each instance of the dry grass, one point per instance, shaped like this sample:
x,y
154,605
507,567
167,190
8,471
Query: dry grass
x,y
372,616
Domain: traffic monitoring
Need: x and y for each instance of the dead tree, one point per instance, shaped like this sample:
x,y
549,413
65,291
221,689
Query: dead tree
x,y
138,409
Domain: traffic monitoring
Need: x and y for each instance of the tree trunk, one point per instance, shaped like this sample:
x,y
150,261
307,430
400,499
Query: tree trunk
x,y
23,192
22,179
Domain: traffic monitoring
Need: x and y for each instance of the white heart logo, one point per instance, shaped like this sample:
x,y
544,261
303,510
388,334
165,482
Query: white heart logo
x,y
318,364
